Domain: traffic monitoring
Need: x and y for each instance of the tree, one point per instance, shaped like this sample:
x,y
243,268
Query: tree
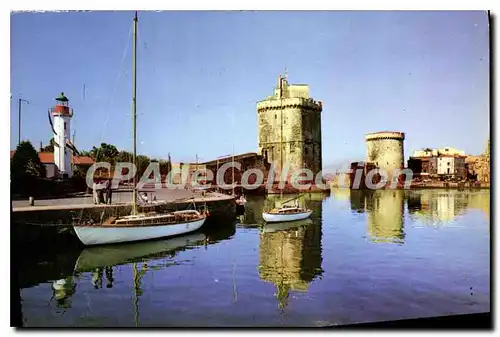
x,y
104,153
85,154
165,167
124,157
26,169
50,147
142,163
26,162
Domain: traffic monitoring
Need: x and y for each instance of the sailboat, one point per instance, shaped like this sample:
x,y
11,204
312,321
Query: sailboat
x,y
139,225
285,212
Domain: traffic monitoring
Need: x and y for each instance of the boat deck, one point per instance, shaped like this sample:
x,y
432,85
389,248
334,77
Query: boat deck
x,y
288,210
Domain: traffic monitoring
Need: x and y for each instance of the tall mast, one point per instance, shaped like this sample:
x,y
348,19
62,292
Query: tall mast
x,y
134,113
233,168
281,133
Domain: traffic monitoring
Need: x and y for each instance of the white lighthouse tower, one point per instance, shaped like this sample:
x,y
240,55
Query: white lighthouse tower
x,y
62,114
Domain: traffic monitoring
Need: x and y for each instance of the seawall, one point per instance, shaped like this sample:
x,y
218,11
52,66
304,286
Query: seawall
x,y
51,226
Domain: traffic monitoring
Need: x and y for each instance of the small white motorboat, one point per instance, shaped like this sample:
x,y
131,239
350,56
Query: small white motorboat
x,y
286,213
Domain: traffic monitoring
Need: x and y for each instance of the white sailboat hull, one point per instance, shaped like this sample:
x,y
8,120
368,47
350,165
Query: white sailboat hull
x,y
269,217
99,235
284,226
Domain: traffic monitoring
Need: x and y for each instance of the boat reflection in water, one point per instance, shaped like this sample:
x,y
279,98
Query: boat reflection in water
x,y
113,255
290,256
100,261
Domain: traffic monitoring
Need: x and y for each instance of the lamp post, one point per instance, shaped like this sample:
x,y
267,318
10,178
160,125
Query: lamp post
x,y
19,106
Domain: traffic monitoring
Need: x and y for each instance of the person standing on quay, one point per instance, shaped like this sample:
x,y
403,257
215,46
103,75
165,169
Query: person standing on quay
x,y
109,192
94,193
101,193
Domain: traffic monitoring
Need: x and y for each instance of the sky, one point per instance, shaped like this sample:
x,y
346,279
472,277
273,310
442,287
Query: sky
x,y
200,75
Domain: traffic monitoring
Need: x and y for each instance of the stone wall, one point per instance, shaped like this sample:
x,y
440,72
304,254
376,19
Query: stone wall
x,y
385,150
43,228
480,165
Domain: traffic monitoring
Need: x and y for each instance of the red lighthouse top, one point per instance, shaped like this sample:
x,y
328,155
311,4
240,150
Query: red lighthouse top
x,y
62,106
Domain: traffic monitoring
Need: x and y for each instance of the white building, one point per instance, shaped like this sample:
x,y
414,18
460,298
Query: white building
x,y
446,165
437,152
63,148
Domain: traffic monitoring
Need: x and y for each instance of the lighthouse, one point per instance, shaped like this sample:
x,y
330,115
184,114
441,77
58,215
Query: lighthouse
x,y
62,115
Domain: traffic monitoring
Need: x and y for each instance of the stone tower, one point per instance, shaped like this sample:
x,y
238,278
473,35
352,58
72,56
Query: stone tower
x,y
385,149
289,128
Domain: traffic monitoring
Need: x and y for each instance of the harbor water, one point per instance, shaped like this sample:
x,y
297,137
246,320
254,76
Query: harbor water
x,y
362,257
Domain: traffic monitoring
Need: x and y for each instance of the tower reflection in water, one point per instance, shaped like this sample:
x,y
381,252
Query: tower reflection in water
x,y
385,216
441,207
290,254
384,208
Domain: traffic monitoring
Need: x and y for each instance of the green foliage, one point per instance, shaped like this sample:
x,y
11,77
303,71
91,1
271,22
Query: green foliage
x,y
80,172
104,153
85,154
142,163
165,167
26,162
109,153
50,147
26,169
124,157
79,177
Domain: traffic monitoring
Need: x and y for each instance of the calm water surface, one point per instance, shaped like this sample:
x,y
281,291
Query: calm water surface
x,y
363,257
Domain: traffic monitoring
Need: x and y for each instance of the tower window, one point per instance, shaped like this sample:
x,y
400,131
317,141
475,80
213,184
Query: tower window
x,y
64,126
275,116
305,150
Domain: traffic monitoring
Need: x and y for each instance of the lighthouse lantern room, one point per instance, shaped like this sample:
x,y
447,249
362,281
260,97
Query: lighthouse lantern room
x,y
62,115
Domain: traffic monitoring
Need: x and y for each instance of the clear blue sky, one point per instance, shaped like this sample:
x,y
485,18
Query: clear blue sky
x,y
423,73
